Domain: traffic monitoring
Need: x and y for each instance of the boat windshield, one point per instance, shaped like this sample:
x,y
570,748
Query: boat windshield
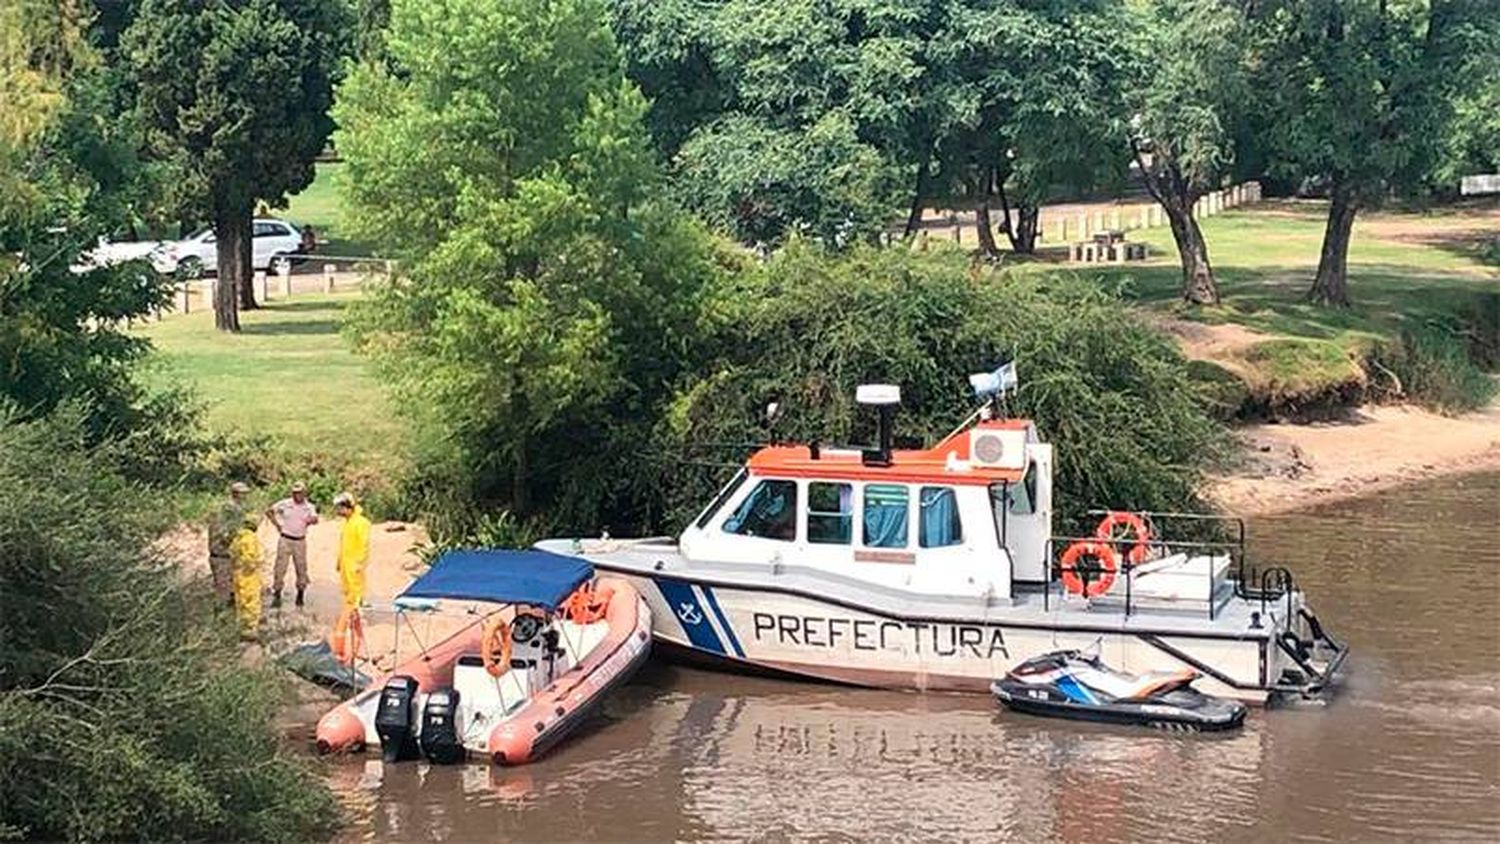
x,y
724,495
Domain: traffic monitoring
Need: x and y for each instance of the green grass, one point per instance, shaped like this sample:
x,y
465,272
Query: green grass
x,y
1405,269
288,375
1265,257
320,207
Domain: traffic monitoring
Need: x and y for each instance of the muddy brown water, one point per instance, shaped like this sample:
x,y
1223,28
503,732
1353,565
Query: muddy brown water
x,y
1408,748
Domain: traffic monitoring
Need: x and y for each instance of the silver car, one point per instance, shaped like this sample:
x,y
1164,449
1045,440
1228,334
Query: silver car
x,y
274,245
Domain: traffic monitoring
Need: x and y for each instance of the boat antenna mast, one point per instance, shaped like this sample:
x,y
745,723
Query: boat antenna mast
x,y
992,388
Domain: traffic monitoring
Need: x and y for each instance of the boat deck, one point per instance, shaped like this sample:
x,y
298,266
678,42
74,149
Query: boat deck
x,y
1219,612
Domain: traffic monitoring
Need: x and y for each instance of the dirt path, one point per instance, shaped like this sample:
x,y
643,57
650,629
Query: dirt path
x,y
1295,466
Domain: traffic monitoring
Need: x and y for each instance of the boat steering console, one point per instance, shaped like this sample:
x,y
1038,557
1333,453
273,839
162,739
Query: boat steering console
x,y
535,641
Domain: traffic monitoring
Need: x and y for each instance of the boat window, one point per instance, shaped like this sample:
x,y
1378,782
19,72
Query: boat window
x,y
770,512
724,495
940,525
885,516
1023,494
830,513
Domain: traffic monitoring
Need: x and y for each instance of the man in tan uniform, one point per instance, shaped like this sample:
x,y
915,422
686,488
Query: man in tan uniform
x,y
291,516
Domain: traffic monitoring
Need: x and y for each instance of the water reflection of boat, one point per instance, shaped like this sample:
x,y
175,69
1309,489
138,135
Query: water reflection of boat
x,y
772,759
702,756
514,681
937,569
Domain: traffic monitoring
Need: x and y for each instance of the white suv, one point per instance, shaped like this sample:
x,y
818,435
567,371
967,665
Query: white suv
x,y
273,243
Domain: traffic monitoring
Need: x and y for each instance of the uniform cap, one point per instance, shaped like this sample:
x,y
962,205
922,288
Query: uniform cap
x,y
299,487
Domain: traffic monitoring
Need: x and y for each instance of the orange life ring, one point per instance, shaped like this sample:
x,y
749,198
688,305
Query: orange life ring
x,y
586,605
494,646
348,637
1140,548
1108,565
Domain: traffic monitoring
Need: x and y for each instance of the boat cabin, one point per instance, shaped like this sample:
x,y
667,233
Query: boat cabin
x,y
970,515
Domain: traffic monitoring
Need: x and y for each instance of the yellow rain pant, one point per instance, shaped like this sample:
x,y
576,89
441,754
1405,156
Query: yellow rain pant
x,y
247,600
352,581
245,551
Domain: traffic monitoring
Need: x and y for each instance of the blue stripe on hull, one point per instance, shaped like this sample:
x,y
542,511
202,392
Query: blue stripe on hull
x,y
692,617
713,604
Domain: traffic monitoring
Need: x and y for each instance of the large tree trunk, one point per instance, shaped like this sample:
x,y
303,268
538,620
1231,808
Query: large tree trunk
x,y
1198,286
232,237
1331,285
914,216
1022,230
983,225
247,269
1174,193
1023,233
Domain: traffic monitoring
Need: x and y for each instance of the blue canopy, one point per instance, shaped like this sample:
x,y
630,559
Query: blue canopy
x,y
538,578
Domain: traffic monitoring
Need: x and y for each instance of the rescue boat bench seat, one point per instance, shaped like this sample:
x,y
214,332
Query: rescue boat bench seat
x,y
1179,580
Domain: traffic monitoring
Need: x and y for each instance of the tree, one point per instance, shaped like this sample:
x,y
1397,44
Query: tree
x,y
1189,89
1034,89
68,175
1364,89
812,119
548,301
810,325
234,97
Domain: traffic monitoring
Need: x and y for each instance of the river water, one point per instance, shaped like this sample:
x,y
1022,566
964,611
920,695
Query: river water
x,y
1408,748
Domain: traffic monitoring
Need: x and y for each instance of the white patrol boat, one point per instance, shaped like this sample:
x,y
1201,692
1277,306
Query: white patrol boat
x,y
936,569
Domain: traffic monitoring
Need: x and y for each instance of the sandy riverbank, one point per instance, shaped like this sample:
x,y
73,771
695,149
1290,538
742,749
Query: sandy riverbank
x,y
1291,467
392,565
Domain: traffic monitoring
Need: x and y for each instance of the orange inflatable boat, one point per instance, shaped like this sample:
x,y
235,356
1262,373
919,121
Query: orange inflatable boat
x,y
517,680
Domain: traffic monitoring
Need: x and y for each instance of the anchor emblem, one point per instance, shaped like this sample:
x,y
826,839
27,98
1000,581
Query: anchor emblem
x,y
689,613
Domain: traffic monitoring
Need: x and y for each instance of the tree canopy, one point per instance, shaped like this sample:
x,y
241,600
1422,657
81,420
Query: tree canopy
x,y
548,299
1364,90
68,173
234,97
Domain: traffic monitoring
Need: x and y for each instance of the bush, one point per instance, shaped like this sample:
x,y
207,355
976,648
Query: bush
x,y
1432,367
1117,399
124,709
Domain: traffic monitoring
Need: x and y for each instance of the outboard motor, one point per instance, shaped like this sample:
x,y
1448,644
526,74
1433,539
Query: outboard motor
x,y
440,740
395,720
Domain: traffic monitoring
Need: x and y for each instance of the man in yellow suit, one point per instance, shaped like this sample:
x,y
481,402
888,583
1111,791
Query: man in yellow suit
x,y
354,548
244,552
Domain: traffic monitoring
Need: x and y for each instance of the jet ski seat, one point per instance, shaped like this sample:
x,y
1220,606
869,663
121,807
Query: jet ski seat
x,y
1121,686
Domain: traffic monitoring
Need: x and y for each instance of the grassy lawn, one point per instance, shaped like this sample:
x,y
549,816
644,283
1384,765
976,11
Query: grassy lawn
x,y
288,375
1400,266
319,207
1403,267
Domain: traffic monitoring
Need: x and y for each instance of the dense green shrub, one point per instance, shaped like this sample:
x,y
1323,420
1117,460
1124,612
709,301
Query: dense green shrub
x,y
125,712
1433,366
1127,417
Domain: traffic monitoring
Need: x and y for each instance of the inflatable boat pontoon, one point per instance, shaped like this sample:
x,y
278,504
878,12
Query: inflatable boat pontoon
x,y
546,644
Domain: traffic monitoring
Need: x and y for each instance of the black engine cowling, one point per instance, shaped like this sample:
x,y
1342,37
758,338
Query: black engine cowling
x,y
441,743
395,719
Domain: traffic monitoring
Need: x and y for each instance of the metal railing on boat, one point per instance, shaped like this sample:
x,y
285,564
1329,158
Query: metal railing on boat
x,y
1248,582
